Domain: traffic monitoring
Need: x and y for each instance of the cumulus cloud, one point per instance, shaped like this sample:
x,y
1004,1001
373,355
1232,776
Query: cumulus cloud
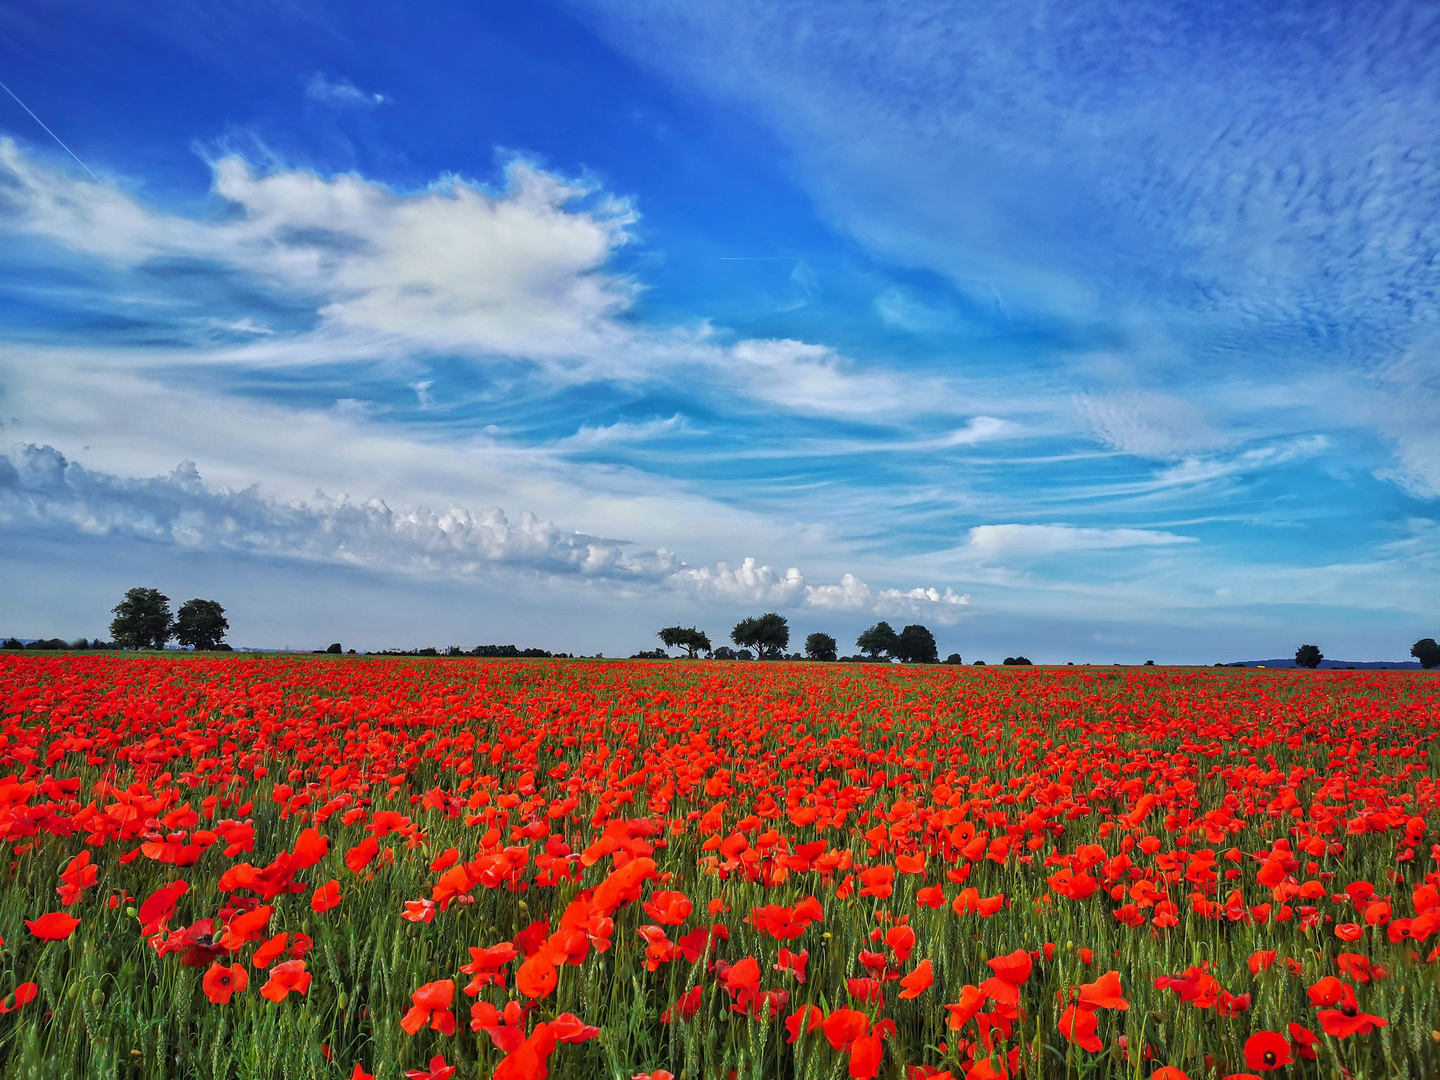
x,y
40,489
1000,542
340,93
522,272
852,594
749,582
518,271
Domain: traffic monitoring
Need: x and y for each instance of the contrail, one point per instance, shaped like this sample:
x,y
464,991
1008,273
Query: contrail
x,y
49,132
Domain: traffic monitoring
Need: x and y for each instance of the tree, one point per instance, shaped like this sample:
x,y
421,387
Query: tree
x,y
877,641
954,658
142,620
200,624
768,634
916,645
1016,661
1308,656
1427,652
820,646
691,640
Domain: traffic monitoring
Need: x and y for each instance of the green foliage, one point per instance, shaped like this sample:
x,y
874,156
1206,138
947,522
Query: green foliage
x,y
916,645
768,634
1427,652
821,646
142,620
1308,656
201,624
879,640
693,641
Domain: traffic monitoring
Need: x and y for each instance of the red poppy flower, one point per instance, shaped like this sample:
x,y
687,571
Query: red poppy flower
x,y
866,1054
270,950
1267,1050
668,908
24,994
1079,1025
221,982
327,896
1303,1041
803,1021
56,926
569,1028
844,1026
537,977
438,1070
284,978
1261,960
1104,993
901,940
1342,1024
918,981
358,857
430,1004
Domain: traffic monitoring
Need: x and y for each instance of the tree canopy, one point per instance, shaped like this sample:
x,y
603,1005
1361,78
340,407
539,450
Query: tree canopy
x,y
916,645
201,624
142,620
688,638
1427,652
878,641
1308,656
820,646
768,634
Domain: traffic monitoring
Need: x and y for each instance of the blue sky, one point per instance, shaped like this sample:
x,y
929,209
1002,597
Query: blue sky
x,y
1098,331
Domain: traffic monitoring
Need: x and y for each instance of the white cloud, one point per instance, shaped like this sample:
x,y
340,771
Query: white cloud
x,y
897,307
39,487
852,594
622,431
41,490
748,583
1000,542
456,266
513,272
340,93
1148,424
920,601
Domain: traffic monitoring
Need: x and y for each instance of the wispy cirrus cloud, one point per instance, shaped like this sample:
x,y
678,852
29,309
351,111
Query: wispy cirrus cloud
x,y
340,93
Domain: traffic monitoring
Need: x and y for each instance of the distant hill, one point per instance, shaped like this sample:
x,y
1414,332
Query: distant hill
x,y
1359,665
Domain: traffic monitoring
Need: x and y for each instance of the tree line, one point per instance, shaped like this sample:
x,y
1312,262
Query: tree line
x,y
768,636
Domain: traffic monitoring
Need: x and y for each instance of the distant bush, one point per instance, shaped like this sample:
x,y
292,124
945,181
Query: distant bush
x,y
1016,661
954,658
651,654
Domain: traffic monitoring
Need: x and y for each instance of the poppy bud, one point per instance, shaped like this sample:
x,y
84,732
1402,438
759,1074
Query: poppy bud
x,y
97,997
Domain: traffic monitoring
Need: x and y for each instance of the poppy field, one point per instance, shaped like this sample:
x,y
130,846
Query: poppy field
x,y
351,867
